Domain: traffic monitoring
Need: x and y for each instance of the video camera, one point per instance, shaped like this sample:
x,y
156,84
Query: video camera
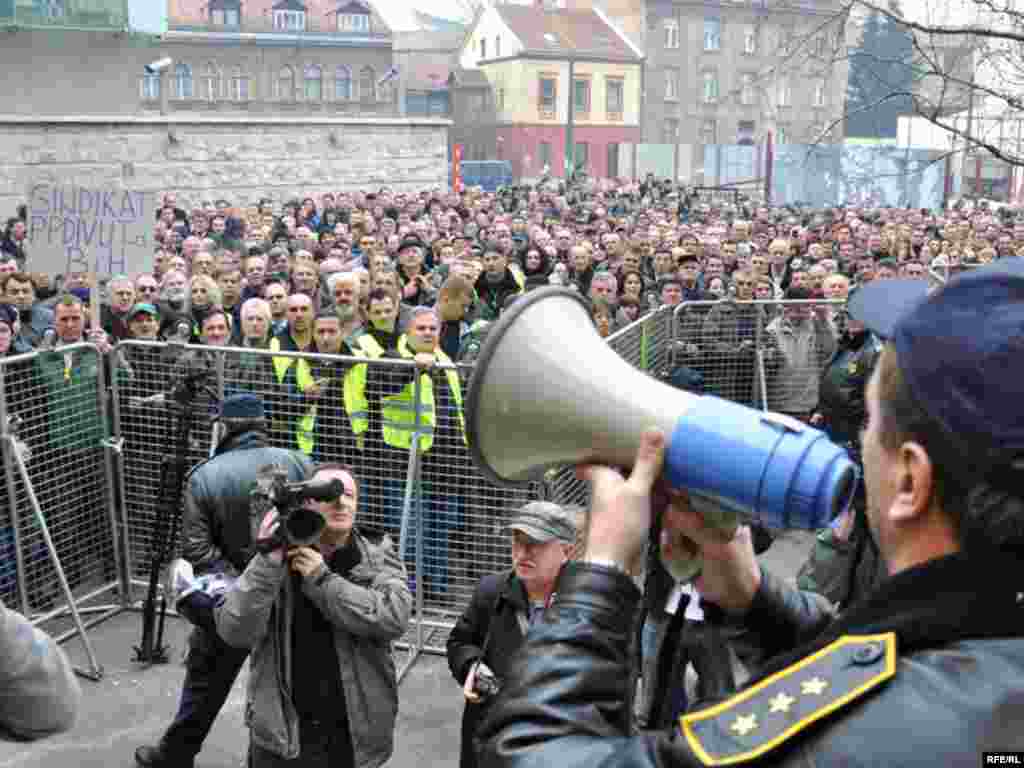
x,y
298,526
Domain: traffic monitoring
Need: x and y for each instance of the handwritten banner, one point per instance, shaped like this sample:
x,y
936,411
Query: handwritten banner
x,y
104,230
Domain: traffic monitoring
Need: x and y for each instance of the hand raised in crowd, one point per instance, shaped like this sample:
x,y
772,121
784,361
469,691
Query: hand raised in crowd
x,y
268,528
99,338
305,560
316,390
424,361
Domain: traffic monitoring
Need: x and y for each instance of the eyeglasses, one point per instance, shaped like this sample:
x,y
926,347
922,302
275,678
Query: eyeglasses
x,y
147,289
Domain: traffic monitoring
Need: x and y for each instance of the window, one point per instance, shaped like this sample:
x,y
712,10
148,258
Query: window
x,y
183,81
709,89
712,34
211,82
290,21
671,84
239,85
785,94
499,100
548,97
151,86
671,33
745,132
750,40
781,132
286,84
313,78
670,131
50,9
747,94
342,84
354,22
483,48
582,155
819,93
708,132
612,166
581,96
544,154
497,46
224,13
613,90
367,85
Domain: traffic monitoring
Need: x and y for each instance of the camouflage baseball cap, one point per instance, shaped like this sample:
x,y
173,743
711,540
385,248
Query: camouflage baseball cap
x,y
544,521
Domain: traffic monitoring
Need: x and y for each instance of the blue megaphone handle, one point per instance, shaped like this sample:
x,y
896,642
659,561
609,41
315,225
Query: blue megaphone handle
x,y
760,465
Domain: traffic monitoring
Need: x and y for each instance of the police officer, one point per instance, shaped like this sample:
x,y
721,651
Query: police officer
x,y
927,668
844,562
217,537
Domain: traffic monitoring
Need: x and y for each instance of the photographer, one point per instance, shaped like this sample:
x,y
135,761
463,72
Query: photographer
x,y
319,620
217,536
503,607
926,668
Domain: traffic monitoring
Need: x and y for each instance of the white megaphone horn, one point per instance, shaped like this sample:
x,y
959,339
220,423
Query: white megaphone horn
x,y
549,391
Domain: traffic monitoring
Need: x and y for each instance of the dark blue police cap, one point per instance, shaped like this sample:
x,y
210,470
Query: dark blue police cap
x,y
961,351
242,406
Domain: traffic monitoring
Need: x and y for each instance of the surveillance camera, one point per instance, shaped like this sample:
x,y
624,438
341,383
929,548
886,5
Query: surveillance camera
x,y
158,66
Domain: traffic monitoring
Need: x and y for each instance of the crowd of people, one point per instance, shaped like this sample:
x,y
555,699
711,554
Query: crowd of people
x,y
304,297
420,276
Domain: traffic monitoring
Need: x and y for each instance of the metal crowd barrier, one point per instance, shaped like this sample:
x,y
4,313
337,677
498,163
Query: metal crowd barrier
x,y
95,465
60,518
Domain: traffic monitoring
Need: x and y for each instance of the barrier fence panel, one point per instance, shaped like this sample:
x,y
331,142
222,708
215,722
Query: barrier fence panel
x,y
146,412
58,398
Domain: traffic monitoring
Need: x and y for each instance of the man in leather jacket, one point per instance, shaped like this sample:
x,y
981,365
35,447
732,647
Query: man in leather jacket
x,y
844,562
928,668
218,536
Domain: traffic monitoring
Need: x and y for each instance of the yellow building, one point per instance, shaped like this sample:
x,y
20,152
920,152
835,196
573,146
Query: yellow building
x,y
557,76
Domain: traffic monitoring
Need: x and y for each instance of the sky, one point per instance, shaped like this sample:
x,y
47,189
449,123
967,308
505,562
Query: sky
x,y
151,15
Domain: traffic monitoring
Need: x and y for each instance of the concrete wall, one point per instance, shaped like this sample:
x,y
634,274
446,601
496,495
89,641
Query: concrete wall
x,y
239,159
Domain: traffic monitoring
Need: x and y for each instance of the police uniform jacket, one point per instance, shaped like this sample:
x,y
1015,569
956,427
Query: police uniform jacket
x,y
926,670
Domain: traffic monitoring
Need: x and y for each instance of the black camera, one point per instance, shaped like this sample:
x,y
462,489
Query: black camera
x,y
298,526
486,684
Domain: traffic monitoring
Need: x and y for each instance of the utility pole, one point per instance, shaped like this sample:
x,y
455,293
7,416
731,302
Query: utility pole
x,y
570,146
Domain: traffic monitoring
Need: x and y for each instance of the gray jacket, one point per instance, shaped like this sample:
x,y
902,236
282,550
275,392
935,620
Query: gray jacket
x,y
368,610
40,692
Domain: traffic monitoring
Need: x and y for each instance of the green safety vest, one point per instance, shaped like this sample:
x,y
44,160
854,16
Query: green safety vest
x,y
398,412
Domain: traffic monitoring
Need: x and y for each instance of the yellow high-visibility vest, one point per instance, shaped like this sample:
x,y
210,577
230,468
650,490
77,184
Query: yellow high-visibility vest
x,y
398,412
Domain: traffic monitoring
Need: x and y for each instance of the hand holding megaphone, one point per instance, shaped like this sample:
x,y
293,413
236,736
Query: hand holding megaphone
x,y
549,391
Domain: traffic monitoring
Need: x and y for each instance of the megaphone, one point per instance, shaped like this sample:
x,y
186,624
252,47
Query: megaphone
x,y
549,391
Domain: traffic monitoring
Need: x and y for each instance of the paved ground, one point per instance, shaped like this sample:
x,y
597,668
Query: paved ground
x,y
132,705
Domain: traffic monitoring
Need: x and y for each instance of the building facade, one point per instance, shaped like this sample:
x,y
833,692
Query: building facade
x,y
565,86
728,74
321,57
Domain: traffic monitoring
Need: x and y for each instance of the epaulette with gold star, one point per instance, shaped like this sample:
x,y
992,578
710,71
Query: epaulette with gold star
x,y
760,718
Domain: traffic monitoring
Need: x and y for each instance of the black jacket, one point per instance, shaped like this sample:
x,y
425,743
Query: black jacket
x,y
954,692
841,390
493,610
217,523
